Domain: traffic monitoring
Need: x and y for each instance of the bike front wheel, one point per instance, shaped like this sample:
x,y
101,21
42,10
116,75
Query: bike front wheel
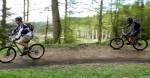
x,y
7,54
116,43
36,52
140,44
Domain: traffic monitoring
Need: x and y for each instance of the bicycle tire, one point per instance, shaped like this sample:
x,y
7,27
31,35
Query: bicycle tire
x,y
33,50
140,49
116,39
8,50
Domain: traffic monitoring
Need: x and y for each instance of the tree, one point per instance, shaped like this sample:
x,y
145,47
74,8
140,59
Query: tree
x,y
56,21
47,24
68,37
3,23
100,16
66,22
115,18
24,9
27,10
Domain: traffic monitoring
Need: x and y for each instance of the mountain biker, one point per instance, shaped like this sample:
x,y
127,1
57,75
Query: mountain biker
x,y
23,34
134,30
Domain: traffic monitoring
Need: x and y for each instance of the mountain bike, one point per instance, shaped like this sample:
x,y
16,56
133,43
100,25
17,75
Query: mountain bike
x,y
139,43
8,53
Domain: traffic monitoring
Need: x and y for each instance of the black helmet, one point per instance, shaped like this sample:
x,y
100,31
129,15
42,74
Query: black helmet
x,y
130,20
18,19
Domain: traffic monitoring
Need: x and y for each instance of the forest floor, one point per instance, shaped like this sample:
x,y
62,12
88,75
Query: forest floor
x,y
83,54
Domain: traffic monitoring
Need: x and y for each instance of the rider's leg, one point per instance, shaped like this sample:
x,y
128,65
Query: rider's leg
x,y
24,42
134,37
132,40
129,38
129,41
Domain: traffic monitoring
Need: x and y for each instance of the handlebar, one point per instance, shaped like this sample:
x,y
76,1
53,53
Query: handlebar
x,y
122,30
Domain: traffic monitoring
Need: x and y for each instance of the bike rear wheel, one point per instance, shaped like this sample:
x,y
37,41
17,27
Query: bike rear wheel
x,y
140,44
116,43
36,52
7,54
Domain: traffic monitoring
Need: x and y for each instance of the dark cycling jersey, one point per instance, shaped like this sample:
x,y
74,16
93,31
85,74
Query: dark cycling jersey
x,y
21,30
135,29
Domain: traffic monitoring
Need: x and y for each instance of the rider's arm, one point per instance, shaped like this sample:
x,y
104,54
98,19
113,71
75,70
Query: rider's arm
x,y
128,25
19,33
14,31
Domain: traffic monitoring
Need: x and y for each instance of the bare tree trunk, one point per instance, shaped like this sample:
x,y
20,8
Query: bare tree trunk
x,y
117,17
24,10
4,13
28,3
94,33
46,31
113,32
142,15
100,23
3,23
56,21
66,21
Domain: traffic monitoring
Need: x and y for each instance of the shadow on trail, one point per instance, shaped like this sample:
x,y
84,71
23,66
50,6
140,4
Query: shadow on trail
x,y
42,62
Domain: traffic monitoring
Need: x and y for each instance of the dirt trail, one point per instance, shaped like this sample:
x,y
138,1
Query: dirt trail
x,y
80,55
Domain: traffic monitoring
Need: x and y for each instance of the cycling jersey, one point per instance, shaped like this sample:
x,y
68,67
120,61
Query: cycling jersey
x,y
21,30
135,29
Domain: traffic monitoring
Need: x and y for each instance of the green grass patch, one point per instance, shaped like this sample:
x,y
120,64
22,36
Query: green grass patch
x,y
123,71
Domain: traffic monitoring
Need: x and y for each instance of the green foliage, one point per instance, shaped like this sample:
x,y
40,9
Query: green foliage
x,y
84,29
4,34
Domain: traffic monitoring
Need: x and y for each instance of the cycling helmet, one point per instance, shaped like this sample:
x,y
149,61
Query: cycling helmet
x,y
130,20
18,19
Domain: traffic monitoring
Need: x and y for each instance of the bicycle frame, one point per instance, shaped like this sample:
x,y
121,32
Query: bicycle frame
x,y
13,43
123,36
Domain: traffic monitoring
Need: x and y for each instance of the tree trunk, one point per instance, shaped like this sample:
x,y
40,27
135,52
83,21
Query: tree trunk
x,y
113,32
56,21
24,10
46,30
115,19
3,23
141,16
4,13
28,3
66,22
100,23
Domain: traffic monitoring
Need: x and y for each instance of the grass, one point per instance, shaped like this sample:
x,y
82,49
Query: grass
x,y
123,71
